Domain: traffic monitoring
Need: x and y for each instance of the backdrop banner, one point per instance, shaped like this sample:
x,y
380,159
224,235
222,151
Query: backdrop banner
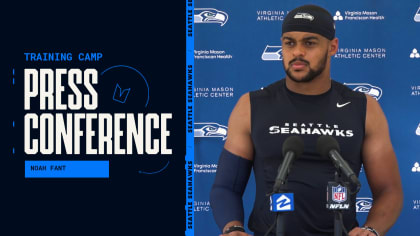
x,y
238,49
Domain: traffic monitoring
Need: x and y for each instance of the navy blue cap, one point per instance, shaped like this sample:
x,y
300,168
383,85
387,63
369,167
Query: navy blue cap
x,y
310,18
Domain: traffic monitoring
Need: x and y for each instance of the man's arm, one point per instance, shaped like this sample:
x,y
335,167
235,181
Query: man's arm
x,y
382,172
239,130
238,143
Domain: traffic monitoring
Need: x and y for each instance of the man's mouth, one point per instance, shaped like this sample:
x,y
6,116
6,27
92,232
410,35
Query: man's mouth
x,y
298,65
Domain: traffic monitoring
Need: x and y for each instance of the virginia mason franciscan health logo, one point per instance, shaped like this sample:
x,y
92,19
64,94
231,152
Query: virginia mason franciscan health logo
x,y
210,15
338,16
361,15
205,168
416,167
414,53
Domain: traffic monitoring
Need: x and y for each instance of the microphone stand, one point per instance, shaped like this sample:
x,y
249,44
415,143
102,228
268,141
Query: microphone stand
x,y
339,205
338,215
280,217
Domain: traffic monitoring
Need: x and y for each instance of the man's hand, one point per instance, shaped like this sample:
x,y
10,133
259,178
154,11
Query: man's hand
x,y
360,232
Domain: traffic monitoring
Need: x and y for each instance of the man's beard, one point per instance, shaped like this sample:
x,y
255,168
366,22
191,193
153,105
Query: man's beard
x,y
312,74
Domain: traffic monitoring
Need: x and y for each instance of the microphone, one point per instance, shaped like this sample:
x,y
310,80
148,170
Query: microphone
x,y
328,147
292,149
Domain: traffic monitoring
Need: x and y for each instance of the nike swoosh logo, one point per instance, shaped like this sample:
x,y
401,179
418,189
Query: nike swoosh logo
x,y
342,105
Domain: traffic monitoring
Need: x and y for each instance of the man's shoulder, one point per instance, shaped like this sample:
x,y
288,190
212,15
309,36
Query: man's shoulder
x,y
268,91
347,92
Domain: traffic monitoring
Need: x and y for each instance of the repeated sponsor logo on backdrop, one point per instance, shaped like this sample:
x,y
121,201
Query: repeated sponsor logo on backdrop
x,y
363,204
414,53
416,168
210,16
202,206
272,53
415,90
338,16
416,205
371,90
370,51
208,168
271,15
350,15
212,54
361,53
214,92
210,130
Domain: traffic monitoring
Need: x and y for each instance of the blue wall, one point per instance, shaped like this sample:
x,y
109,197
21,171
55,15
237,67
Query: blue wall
x,y
377,41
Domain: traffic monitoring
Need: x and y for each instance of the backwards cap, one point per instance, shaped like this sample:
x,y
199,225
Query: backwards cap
x,y
310,18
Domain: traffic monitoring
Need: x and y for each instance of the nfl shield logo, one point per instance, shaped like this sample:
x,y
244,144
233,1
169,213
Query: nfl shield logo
x,y
339,194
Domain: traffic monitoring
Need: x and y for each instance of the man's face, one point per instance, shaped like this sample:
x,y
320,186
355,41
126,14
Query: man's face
x,y
305,55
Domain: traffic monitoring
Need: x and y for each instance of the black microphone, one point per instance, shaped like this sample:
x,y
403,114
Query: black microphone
x,y
328,147
292,149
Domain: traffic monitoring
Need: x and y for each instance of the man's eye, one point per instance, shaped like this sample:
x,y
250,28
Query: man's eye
x,y
309,43
289,43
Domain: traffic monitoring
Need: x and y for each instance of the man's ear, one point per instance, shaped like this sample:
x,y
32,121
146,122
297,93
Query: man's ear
x,y
333,47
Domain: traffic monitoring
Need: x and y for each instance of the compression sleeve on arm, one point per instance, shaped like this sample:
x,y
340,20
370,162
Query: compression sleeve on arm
x,y
229,185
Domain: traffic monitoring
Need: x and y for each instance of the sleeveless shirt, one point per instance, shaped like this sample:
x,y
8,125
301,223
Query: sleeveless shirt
x,y
277,113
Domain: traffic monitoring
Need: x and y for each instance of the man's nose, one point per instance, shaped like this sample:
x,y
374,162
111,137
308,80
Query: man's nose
x,y
299,50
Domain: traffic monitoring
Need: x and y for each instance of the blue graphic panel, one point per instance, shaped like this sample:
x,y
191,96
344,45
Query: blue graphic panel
x,y
66,169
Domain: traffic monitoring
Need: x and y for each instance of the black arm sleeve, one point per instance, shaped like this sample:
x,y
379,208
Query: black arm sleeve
x,y
229,185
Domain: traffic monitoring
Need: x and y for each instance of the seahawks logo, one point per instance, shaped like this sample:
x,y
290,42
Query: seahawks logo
x,y
210,15
210,130
306,16
368,89
272,53
363,204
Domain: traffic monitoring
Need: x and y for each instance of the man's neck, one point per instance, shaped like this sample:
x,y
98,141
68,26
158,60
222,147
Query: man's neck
x,y
316,86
